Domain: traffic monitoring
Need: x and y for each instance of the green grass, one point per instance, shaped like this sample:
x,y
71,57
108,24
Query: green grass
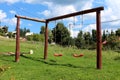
x,y
34,67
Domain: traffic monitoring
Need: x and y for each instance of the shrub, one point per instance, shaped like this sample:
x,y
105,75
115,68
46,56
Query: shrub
x,y
36,37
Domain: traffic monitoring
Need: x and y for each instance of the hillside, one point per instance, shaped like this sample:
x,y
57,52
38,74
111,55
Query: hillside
x,y
66,67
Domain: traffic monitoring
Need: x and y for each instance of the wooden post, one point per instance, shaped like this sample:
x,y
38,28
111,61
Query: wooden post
x,y
46,41
99,40
17,53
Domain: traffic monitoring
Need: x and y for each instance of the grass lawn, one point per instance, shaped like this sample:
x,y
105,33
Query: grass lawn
x,y
67,67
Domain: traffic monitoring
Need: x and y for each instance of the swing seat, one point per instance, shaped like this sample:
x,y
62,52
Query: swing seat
x,y
78,55
56,54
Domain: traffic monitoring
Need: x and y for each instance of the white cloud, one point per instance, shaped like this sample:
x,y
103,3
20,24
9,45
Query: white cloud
x,y
13,12
3,18
60,7
108,14
11,21
29,24
57,10
31,1
111,12
89,28
74,29
46,13
9,1
2,15
87,5
75,33
114,5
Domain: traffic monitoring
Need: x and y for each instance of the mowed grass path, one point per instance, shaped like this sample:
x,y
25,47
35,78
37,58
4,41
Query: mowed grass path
x,y
34,67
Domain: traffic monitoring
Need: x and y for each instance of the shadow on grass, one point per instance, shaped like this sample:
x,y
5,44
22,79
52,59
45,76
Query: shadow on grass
x,y
117,58
118,51
7,58
53,62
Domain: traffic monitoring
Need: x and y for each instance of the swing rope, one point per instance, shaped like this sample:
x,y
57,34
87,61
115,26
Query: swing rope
x,y
78,55
56,54
55,30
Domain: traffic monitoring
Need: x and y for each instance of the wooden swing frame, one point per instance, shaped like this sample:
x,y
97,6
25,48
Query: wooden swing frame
x,y
46,21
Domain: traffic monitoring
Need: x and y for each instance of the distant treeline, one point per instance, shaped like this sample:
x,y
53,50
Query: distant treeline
x,y
61,36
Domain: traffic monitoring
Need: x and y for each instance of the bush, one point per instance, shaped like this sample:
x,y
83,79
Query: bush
x,y
36,37
29,38
113,43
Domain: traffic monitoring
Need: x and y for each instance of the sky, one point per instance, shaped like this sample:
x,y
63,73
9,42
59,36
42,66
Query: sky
x,y
44,9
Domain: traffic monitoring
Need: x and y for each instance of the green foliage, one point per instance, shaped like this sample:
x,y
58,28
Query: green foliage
x,y
104,36
23,32
94,35
87,38
29,38
36,37
88,41
79,41
118,32
60,34
42,31
50,36
42,39
84,40
10,35
113,43
3,30
2,34
71,41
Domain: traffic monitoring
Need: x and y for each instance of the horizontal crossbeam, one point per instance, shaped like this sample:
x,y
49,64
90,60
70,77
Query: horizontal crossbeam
x,y
76,13
33,19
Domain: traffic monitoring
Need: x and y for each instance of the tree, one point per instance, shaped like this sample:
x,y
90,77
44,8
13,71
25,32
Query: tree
x,y
112,39
104,36
79,41
112,43
87,38
23,32
5,29
118,32
1,32
28,30
94,35
112,33
10,35
71,41
42,31
60,34
50,36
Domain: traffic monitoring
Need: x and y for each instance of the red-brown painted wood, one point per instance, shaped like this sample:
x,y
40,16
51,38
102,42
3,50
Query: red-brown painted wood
x,y
46,41
99,40
17,53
